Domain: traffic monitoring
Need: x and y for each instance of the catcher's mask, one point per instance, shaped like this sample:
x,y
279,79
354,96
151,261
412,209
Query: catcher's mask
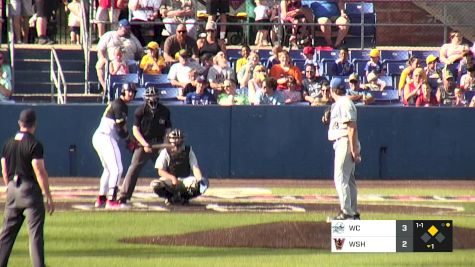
x,y
151,97
176,137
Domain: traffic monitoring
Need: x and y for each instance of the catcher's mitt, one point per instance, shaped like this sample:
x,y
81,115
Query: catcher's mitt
x,y
326,116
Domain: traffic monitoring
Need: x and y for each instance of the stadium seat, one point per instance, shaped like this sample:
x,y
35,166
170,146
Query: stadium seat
x,y
160,80
358,8
422,55
169,95
359,66
469,95
359,55
388,80
327,58
386,97
395,68
115,83
299,63
394,55
296,54
356,12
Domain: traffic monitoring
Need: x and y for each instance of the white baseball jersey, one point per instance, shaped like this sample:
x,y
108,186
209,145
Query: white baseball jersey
x,y
343,111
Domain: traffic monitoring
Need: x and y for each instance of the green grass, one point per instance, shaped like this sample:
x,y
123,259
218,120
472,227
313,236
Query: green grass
x,y
92,239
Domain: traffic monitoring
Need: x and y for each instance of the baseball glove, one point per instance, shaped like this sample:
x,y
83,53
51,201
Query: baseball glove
x,y
326,116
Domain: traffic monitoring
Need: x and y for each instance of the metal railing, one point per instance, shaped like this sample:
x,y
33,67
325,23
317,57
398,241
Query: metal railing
x,y
58,83
86,46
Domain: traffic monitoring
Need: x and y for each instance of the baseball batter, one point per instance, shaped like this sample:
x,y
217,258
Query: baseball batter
x,y
180,176
113,126
343,132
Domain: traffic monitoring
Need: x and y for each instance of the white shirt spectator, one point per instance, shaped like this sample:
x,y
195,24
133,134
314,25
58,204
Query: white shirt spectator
x,y
147,8
131,47
179,72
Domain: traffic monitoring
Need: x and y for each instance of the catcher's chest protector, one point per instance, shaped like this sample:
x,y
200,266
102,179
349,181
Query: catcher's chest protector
x,y
180,162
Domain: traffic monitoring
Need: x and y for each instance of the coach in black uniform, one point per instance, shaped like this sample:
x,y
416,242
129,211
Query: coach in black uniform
x,y
24,173
151,124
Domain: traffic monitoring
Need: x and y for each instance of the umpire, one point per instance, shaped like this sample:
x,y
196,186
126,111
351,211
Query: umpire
x,y
24,173
151,124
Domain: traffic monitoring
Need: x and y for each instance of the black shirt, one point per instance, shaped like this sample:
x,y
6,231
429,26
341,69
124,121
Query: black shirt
x,y
117,111
152,123
19,152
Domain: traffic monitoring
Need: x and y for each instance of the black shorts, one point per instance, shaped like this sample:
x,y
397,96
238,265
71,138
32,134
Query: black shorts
x,y
75,29
214,7
44,8
263,27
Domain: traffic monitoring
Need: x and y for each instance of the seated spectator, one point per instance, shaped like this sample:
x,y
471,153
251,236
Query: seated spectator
x,y
415,88
358,95
274,58
328,12
446,93
294,93
209,44
374,64
312,84
309,54
268,95
262,14
426,99
246,72
255,84
190,87
152,62
118,66
131,48
452,54
245,51
283,70
433,75
374,83
179,72
220,72
177,42
467,82
178,11
5,80
406,74
201,96
459,98
145,11
292,12
325,98
206,62
229,97
104,12
342,66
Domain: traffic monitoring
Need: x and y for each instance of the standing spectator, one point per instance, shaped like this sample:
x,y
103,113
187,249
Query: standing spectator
x,y
247,71
245,50
467,82
213,7
152,63
446,93
358,95
112,127
342,66
74,21
262,13
179,72
374,64
283,70
255,84
26,178
327,12
218,73
268,95
122,38
312,84
105,14
209,44
451,54
151,124
229,96
178,11
145,11
20,11
201,96
5,80
414,89
406,74
177,42
426,99
118,66
343,132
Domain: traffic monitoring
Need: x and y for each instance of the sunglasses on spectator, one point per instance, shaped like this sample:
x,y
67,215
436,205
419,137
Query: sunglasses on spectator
x,y
182,31
310,71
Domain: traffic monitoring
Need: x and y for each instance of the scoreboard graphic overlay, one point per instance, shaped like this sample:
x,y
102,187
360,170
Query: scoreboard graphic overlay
x,y
391,236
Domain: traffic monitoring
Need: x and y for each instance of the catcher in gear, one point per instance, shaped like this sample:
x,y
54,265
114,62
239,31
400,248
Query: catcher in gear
x,y
180,176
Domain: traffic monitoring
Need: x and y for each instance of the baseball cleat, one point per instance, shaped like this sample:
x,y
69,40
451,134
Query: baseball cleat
x,y
343,216
100,203
112,204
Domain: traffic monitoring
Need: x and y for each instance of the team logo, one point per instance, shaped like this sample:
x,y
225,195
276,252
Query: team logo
x,y
338,228
339,242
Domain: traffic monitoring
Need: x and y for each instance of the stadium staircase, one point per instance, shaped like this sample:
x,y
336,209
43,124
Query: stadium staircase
x,y
32,82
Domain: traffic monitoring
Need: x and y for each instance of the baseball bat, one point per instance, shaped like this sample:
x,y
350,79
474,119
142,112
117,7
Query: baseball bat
x,y
160,146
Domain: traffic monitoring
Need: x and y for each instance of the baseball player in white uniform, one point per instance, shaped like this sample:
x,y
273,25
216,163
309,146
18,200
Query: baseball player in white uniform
x,y
113,126
343,132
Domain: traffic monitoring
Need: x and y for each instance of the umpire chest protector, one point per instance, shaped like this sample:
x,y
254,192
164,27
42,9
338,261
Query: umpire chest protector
x,y
180,162
153,123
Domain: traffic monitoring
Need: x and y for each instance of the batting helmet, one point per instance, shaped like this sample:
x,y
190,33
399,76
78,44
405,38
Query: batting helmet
x,y
177,136
151,97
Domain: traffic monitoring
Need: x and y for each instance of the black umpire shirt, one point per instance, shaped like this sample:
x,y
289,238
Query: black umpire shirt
x,y
152,123
19,152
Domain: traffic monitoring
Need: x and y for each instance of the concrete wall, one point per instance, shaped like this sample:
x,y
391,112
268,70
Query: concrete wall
x,y
273,142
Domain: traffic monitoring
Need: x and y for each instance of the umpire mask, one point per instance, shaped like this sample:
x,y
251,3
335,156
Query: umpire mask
x,y
151,97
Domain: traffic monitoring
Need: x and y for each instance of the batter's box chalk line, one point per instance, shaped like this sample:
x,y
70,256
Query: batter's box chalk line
x,y
136,206
255,208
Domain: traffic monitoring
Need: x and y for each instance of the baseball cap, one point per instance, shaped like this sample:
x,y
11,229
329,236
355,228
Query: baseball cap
x,y
372,76
374,53
211,26
337,83
431,58
448,74
182,53
308,50
152,45
124,23
27,117
353,77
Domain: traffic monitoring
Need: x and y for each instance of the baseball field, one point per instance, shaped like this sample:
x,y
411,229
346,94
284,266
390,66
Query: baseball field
x,y
244,223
